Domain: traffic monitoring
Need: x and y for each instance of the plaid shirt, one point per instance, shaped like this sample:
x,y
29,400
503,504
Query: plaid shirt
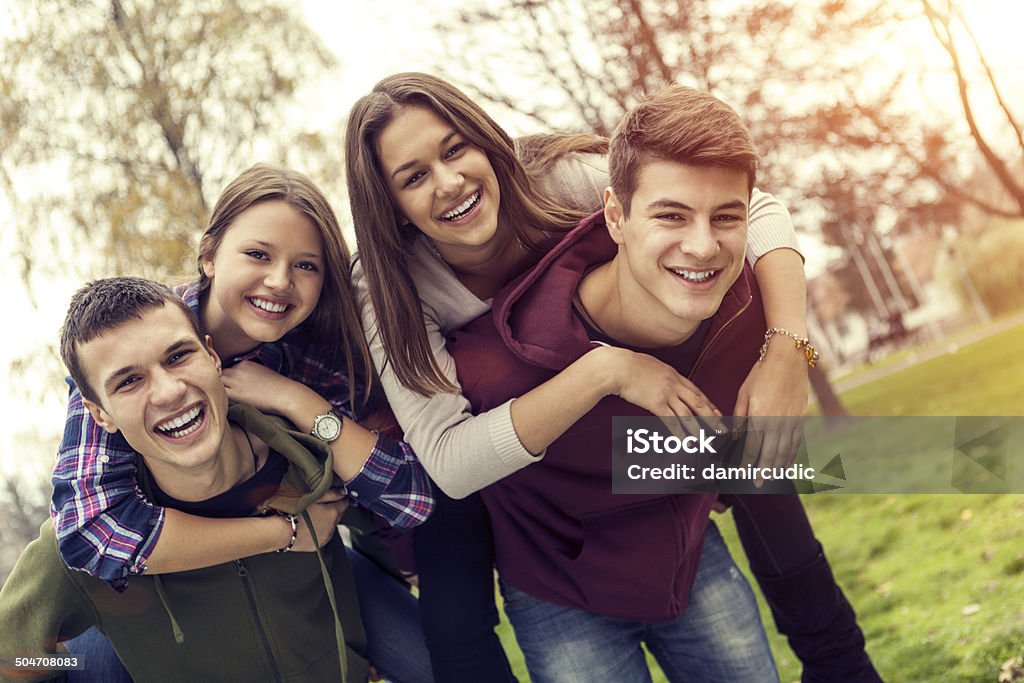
x,y
106,527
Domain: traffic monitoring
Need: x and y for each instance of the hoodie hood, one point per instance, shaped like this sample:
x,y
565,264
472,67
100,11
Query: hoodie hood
x,y
561,534
534,315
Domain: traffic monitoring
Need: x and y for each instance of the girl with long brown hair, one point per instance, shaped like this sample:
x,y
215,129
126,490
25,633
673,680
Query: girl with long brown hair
x,y
445,215
273,292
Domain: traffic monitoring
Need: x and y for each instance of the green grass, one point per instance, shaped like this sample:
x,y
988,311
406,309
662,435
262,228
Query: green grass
x,y
984,378
937,580
911,565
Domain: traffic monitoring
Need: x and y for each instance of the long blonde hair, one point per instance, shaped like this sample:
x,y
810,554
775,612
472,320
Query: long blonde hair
x,y
383,239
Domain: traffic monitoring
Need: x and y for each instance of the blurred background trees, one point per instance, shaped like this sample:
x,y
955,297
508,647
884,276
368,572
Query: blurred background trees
x,y
892,130
127,117
836,100
831,98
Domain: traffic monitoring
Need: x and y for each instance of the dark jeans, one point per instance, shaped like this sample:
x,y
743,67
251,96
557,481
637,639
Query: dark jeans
x,y
797,582
455,563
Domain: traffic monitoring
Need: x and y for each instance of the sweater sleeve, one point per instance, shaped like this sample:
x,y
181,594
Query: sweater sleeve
x,y
462,452
39,606
770,227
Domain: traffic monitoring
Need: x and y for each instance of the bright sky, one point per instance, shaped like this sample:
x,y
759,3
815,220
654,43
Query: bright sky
x,y
371,40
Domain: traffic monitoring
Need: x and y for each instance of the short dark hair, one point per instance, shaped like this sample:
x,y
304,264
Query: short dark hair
x,y
680,124
102,305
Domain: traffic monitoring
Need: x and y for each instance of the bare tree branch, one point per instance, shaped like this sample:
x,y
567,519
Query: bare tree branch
x,y
993,83
941,27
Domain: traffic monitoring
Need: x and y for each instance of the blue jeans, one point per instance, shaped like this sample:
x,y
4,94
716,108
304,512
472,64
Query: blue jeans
x,y
391,619
718,637
101,662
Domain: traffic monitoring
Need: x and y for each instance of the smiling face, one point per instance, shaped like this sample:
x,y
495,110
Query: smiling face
x,y
159,385
682,245
265,277
441,183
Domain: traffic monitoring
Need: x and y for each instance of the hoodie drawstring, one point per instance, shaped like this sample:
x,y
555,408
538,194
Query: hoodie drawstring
x,y
179,635
339,634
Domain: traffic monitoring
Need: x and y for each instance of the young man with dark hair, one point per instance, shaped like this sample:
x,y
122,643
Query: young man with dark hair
x,y
135,350
587,575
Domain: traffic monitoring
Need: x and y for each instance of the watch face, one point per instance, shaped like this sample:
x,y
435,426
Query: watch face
x,y
327,427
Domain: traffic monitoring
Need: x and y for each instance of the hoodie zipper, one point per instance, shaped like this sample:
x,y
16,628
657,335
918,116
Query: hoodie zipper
x,y
243,575
718,333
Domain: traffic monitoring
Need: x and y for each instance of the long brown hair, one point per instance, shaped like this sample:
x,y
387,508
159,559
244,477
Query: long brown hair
x,y
539,152
334,323
384,242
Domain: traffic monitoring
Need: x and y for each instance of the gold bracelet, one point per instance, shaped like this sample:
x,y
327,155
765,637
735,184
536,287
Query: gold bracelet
x,y
810,353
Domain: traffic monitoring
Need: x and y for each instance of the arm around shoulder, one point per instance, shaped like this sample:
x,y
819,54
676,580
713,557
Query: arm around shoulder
x,y
462,452
770,227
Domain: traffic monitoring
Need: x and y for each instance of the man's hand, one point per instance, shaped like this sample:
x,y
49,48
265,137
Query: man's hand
x,y
776,387
324,514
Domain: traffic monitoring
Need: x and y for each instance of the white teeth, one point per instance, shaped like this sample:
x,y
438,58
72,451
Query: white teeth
x,y
462,208
184,432
269,305
173,427
694,275
180,420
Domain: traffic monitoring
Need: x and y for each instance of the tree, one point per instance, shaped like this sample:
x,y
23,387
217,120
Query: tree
x,y
842,138
944,18
122,120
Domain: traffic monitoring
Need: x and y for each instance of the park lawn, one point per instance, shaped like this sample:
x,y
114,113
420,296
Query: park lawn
x,y
936,580
984,378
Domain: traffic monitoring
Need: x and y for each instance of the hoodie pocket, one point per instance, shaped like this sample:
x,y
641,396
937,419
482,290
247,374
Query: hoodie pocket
x,y
630,559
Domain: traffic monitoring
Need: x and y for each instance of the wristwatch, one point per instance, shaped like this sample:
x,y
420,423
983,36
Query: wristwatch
x,y
327,427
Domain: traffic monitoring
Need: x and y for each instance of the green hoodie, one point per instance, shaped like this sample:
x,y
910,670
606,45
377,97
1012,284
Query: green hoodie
x,y
263,618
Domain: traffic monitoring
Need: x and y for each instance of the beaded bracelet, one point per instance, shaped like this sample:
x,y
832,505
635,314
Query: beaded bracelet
x,y
294,520
810,353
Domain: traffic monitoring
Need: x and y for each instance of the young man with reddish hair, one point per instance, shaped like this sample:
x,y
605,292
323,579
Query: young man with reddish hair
x,y
588,575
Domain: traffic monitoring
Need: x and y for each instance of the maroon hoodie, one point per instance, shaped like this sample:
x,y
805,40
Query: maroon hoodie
x,y
560,533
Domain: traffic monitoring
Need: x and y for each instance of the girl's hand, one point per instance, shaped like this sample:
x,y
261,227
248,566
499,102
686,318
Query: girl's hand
x,y
776,387
260,387
648,383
